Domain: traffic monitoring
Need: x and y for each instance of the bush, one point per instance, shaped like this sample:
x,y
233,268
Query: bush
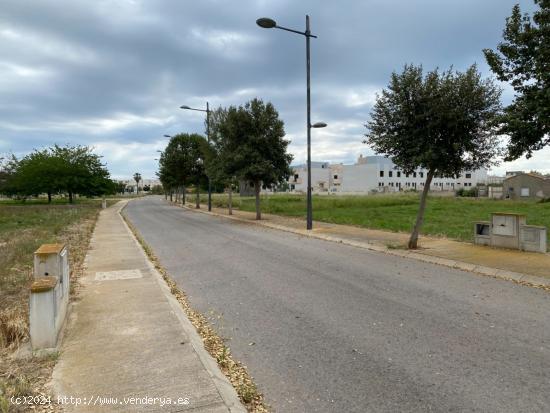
x,y
471,193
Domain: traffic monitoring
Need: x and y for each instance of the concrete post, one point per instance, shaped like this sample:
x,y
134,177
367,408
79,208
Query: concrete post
x,y
43,313
49,295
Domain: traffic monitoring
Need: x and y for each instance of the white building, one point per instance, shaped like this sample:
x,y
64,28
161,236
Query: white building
x,y
144,182
375,173
320,174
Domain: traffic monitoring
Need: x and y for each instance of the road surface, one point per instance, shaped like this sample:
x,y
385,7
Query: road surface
x,y
325,327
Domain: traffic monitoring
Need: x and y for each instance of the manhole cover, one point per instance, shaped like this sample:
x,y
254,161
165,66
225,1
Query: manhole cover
x,y
117,275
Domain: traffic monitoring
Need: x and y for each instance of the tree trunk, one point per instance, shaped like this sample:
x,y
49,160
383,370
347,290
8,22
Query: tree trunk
x,y
70,197
171,195
198,198
165,195
183,194
230,200
413,241
257,193
49,197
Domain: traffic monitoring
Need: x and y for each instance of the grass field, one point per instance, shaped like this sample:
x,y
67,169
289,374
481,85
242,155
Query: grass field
x,y
23,228
445,216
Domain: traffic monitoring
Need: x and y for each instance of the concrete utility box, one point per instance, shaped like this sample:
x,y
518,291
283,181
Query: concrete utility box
x,y
482,233
508,230
53,260
505,229
532,238
49,295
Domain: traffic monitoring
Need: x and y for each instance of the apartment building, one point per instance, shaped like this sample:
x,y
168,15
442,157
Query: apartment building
x,y
375,173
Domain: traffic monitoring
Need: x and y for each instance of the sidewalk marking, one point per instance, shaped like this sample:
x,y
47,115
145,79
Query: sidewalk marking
x,y
117,275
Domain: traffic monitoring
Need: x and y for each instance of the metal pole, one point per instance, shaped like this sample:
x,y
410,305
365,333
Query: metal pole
x,y
208,138
309,203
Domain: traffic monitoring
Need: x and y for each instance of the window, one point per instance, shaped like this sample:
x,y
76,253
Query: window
x,y
407,175
399,174
390,174
296,176
421,174
414,174
524,191
335,177
381,174
468,176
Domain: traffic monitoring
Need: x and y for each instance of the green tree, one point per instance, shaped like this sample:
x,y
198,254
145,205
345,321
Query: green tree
x,y
440,122
183,163
219,165
71,169
81,171
8,168
137,178
39,172
254,146
523,59
119,187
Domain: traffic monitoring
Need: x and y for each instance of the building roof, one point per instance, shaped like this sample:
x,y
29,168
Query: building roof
x,y
527,174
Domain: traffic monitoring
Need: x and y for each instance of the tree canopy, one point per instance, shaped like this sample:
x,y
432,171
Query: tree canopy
x,y
442,122
254,148
59,169
183,161
523,60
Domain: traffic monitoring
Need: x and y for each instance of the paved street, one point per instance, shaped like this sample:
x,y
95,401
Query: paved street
x,y
325,327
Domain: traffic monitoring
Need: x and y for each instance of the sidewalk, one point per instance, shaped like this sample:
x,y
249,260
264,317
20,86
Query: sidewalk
x,y
127,337
507,264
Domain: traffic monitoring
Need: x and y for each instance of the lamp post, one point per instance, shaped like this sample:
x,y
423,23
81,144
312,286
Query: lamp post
x,y
208,138
268,23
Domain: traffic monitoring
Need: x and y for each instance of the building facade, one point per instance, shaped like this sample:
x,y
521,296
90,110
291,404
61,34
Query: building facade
x,y
525,186
378,174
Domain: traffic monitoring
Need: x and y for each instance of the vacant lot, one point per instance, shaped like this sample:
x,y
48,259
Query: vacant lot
x,y
445,216
23,228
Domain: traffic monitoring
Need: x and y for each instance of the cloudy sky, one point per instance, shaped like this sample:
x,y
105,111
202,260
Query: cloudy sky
x,y
112,73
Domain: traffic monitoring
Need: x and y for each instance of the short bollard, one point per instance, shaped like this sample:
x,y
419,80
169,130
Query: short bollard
x,y
49,295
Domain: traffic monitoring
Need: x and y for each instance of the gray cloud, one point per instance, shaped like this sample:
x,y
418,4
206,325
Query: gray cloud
x,y
113,73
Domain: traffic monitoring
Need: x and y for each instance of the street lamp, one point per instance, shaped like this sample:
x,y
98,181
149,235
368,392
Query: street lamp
x,y
267,23
167,136
208,138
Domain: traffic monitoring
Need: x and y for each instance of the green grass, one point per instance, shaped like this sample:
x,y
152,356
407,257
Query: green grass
x,y
445,216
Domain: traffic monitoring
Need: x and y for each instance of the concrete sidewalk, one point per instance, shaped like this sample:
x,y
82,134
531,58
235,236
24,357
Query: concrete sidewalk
x,y
128,337
529,267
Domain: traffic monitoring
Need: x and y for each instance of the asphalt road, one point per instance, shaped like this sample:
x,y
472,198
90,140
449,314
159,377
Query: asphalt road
x,y
325,327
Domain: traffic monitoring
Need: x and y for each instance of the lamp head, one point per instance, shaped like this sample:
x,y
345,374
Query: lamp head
x,y
184,107
266,23
319,125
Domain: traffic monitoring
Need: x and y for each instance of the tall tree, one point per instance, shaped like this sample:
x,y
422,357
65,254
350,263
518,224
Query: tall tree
x,y
440,122
137,178
219,165
255,148
182,162
82,171
523,59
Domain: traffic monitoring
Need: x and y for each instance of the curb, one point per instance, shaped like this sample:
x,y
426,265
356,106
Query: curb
x,y
224,387
519,278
